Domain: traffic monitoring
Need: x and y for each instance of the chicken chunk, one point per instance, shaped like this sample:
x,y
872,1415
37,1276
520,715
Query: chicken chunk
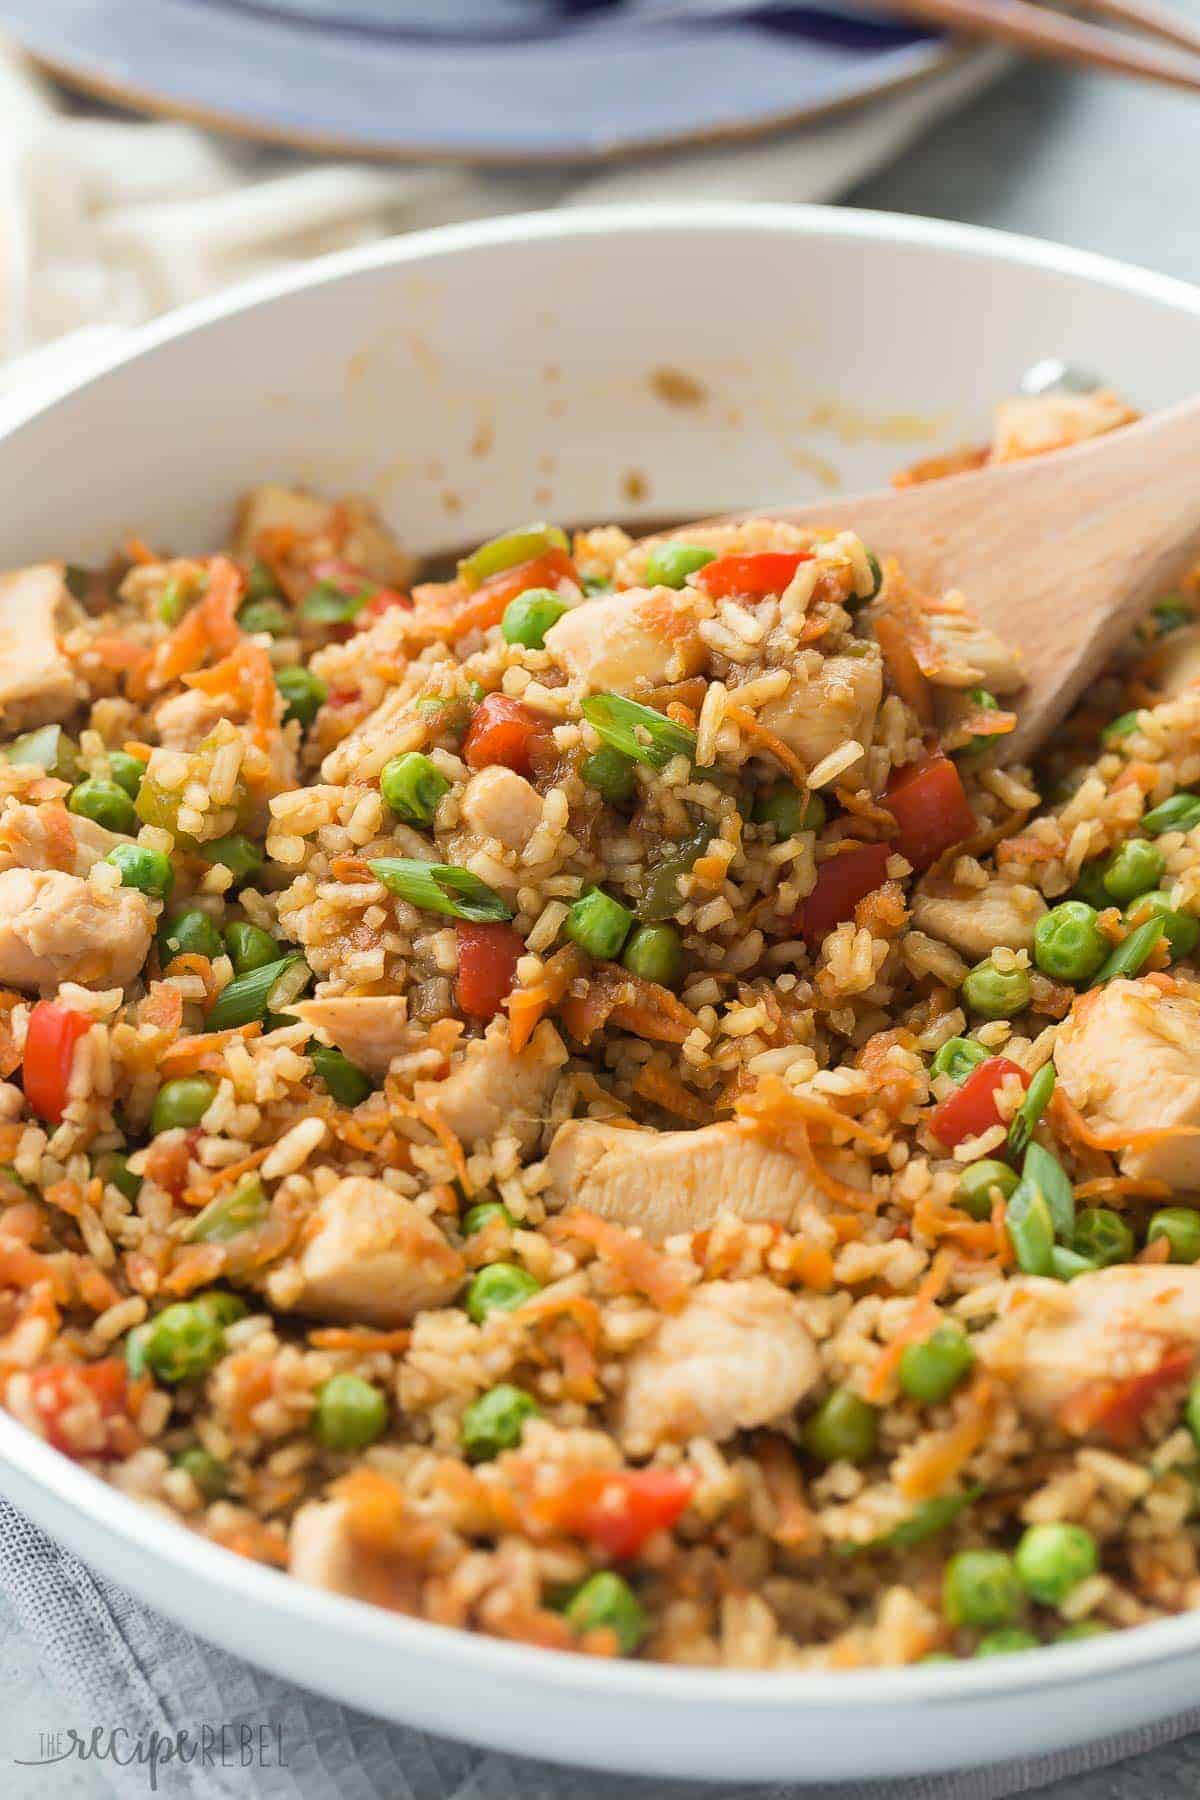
x,y
975,920
1031,424
324,1552
368,1028
628,642
664,1182
36,837
56,927
820,713
497,803
737,1356
1128,1057
1053,1339
347,530
488,1088
374,1257
36,681
972,654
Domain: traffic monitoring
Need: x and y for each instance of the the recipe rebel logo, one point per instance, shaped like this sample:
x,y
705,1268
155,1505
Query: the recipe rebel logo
x,y
226,1746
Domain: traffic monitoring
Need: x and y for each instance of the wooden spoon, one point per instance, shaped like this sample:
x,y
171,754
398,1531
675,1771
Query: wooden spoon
x,y
1060,554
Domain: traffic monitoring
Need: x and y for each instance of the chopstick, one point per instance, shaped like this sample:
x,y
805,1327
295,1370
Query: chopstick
x,y
1044,33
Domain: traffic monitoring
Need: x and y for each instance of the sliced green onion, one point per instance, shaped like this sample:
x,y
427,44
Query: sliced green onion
x,y
640,732
250,996
1119,728
1054,1185
1180,813
328,604
47,748
1066,1264
440,888
347,1084
509,551
291,982
929,1518
1031,1228
1129,957
229,1215
1037,1098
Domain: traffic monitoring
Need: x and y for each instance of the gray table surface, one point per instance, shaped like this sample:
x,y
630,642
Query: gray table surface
x,y
1100,164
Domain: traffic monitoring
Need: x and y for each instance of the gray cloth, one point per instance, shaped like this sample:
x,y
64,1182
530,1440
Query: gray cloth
x,y
111,1661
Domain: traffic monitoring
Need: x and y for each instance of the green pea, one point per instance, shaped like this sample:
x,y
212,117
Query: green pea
x,y
347,1084
304,694
127,771
501,1287
978,1183
1030,1226
598,923
149,871
655,953
789,809
249,946
1089,887
670,564
843,1429
496,1421
229,1215
529,617
482,1214
932,1370
957,1057
349,1413
606,1600
610,772
261,583
1133,868
1119,728
1180,1226
1181,929
220,1305
1081,1630
207,1471
1007,1641
1180,813
112,1167
1191,1409
981,1587
105,803
412,786
190,933
47,748
171,603
183,1342
1068,944
235,853
182,1102
271,616
1104,1236
1052,1560
996,994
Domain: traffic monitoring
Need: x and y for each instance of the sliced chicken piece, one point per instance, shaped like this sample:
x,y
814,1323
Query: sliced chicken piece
x,y
628,642
975,920
373,1257
349,531
498,803
1029,425
324,1552
1053,1339
665,1182
50,837
1128,1057
489,1089
1175,663
737,1356
56,927
368,1028
36,681
973,656
821,713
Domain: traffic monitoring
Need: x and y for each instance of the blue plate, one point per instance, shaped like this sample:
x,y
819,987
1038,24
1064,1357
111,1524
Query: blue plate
x,y
479,80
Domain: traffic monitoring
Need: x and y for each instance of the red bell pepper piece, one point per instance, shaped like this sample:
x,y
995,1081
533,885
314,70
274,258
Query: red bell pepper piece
x,y
617,1510
1117,1408
972,1107
381,601
763,572
502,731
841,883
487,967
927,801
50,1044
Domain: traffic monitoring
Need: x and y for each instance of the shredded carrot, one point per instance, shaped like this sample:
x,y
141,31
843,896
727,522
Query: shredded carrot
x,y
999,1223
528,1006
430,1116
920,1318
633,1004
134,747
987,724
204,1051
247,675
1064,1110
1110,1186
139,551
361,1339
772,1103
974,1235
793,1519
663,1088
210,625
863,806
939,1457
895,643
203,1191
746,721
631,1259
1157,1252
190,962
162,1007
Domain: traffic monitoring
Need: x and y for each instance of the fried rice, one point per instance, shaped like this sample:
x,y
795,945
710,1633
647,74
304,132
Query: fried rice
x,y
585,1102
